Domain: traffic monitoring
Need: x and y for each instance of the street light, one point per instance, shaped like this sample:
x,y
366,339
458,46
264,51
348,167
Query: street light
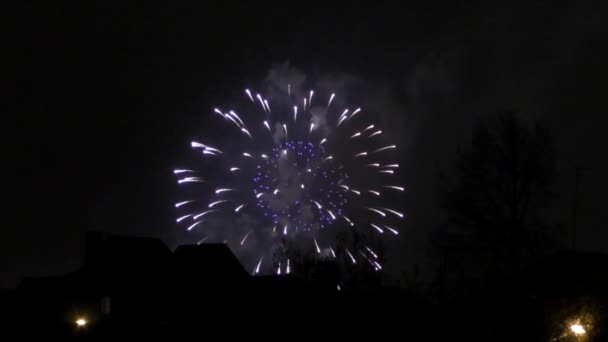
x,y
577,329
81,322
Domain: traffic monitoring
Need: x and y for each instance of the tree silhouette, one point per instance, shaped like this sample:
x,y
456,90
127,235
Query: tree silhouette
x,y
497,188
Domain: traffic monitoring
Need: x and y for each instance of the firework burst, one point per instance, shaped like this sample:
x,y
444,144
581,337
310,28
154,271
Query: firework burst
x,y
289,169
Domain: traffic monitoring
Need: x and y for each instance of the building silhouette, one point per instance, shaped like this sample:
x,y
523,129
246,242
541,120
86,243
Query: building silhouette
x,y
139,288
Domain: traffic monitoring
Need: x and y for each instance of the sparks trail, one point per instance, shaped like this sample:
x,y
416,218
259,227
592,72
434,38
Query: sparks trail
x,y
289,177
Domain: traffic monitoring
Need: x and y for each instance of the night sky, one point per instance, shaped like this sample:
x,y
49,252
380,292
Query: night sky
x,y
102,100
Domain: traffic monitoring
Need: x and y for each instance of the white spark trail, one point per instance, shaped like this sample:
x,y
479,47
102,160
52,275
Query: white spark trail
x,y
355,135
352,258
211,205
333,217
400,188
374,192
245,238
194,225
202,214
310,97
177,205
385,148
219,191
257,268
360,154
232,169
374,164
237,117
267,126
331,99
285,230
375,133
401,215
349,221
249,94
239,208
180,219
312,126
244,130
380,212
295,113
261,101
195,144
355,112
317,246
319,206
190,180
229,117
377,228
386,171
343,114
267,106
394,231
322,141
202,240
368,128
212,149
178,171
259,195
372,252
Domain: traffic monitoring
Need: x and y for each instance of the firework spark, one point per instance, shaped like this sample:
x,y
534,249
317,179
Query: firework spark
x,y
292,176
352,258
331,98
178,171
377,228
180,219
177,205
392,230
401,215
195,217
193,225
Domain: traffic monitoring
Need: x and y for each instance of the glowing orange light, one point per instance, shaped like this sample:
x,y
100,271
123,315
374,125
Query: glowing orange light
x,y
81,322
577,329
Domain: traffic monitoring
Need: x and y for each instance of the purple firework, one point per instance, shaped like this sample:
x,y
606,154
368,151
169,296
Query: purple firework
x,y
289,173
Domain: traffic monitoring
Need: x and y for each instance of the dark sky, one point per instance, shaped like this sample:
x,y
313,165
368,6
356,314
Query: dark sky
x,y
102,99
